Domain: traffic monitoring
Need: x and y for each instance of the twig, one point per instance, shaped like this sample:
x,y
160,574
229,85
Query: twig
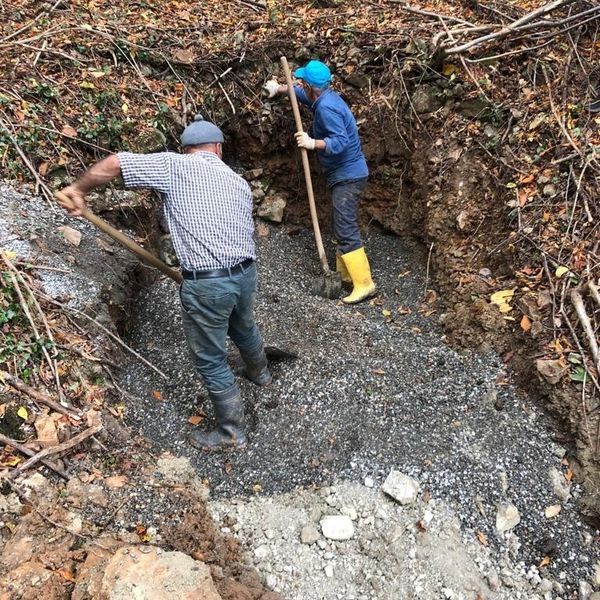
x,y
428,13
39,183
116,338
27,452
67,445
25,308
577,300
38,396
51,362
508,29
427,270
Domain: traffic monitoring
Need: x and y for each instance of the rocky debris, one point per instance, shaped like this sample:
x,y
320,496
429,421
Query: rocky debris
x,y
400,487
271,208
252,174
152,574
32,581
10,504
551,370
79,493
167,251
309,534
178,469
411,403
560,486
426,99
507,517
337,527
390,555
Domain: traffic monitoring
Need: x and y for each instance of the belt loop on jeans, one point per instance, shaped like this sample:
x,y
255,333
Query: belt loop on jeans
x,y
226,271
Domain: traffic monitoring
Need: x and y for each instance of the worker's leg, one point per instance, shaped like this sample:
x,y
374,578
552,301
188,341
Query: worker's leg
x,y
244,331
206,306
345,198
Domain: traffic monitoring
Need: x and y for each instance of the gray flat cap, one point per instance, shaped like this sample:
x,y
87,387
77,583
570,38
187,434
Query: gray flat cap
x,y
201,132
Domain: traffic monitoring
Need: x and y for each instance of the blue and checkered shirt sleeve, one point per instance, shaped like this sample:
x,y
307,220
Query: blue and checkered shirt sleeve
x,y
146,170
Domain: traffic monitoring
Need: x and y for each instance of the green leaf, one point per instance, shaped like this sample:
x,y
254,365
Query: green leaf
x,y
22,412
579,375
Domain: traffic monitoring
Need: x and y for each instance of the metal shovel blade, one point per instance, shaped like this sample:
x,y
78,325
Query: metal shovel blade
x,y
329,285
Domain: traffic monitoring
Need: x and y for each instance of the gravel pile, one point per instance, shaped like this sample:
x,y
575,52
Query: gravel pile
x,y
374,388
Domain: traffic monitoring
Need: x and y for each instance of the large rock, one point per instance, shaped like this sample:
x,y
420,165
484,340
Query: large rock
x,y
400,487
144,573
337,527
31,581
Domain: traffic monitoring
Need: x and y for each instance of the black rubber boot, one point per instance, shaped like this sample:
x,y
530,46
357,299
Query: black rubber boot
x,y
257,367
230,433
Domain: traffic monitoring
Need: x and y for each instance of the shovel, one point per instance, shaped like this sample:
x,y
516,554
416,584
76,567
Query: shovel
x,y
330,284
125,241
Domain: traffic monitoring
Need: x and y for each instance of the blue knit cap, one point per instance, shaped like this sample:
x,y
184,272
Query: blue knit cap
x,y
315,73
201,132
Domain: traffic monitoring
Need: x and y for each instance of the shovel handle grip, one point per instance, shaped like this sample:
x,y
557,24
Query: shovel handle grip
x,y
306,166
125,241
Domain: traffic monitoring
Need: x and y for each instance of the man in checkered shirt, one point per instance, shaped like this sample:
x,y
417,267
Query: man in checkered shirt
x,y
209,211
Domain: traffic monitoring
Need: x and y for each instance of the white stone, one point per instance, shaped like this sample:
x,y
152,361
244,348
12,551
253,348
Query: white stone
x,y
337,527
369,482
309,534
329,571
560,486
262,552
585,590
349,511
507,517
400,487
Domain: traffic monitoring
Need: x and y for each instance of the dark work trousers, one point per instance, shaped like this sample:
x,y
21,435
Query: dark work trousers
x,y
345,197
211,310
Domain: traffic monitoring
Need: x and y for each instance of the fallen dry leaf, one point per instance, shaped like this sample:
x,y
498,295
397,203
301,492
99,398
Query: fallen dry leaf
x,y
482,538
545,561
195,419
378,372
525,323
157,395
66,574
69,131
116,481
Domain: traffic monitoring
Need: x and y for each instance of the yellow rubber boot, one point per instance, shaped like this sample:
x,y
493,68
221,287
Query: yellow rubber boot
x,y
340,267
357,264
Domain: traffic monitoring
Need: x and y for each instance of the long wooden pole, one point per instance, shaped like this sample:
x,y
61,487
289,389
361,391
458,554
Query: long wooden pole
x,y
306,165
125,241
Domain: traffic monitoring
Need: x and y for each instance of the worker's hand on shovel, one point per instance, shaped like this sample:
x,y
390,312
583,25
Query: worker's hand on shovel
x,y
72,199
304,140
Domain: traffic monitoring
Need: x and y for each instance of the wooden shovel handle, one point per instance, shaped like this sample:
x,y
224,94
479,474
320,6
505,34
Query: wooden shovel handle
x,y
306,165
125,241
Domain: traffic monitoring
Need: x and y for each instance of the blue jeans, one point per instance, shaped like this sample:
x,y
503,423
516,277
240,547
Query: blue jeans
x,y
345,197
211,310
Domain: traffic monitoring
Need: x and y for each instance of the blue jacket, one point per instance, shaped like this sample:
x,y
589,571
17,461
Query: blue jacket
x,y
342,159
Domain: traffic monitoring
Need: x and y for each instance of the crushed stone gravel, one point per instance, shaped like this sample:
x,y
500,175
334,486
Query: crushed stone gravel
x,y
375,388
